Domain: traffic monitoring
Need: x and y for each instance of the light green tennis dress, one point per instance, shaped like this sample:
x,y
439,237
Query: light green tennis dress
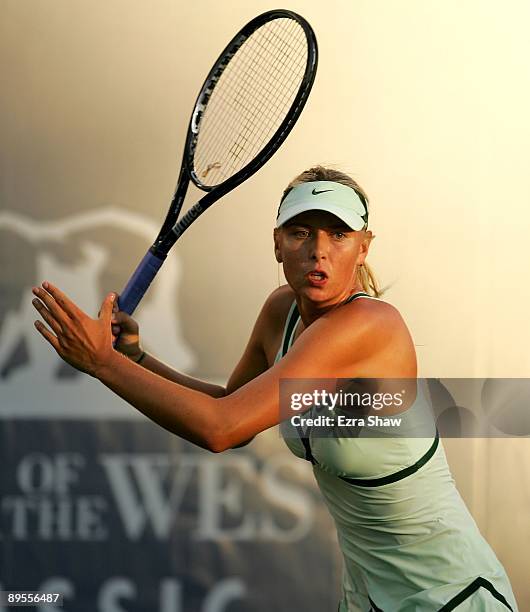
x,y
408,540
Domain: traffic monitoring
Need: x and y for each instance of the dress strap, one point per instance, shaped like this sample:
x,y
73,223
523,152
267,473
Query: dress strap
x,y
288,335
294,316
292,320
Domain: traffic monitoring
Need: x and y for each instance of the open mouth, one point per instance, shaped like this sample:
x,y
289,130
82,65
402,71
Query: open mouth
x,y
317,277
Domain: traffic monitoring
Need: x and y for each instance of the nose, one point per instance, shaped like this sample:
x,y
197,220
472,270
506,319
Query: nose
x,y
319,246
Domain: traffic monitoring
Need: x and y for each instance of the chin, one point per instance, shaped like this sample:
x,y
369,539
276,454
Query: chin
x,y
316,294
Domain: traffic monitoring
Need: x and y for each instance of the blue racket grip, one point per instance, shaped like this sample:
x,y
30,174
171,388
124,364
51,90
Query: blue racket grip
x,y
139,282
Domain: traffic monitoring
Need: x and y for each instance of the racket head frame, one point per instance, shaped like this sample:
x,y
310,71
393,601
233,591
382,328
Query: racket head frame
x,y
171,230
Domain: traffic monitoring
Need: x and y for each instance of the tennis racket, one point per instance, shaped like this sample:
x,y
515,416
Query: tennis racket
x,y
248,104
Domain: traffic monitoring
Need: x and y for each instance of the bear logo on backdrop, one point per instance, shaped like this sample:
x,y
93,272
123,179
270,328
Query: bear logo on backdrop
x,y
77,254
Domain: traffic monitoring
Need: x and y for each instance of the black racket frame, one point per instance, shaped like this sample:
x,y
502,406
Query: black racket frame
x,y
171,229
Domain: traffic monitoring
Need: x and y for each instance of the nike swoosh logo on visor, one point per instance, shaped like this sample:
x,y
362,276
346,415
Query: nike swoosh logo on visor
x,y
315,192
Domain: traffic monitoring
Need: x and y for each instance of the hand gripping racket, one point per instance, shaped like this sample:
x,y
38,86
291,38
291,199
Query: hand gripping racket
x,y
248,104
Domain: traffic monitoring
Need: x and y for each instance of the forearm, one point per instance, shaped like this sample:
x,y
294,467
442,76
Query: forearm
x,y
158,367
184,411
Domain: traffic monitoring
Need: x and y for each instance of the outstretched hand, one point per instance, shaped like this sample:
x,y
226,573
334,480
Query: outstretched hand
x,y
83,342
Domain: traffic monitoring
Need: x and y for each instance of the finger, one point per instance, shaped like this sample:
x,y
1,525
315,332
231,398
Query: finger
x,y
53,307
44,331
120,317
106,307
71,309
47,316
116,330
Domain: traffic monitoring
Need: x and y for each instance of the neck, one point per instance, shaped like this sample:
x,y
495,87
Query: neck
x,y
310,311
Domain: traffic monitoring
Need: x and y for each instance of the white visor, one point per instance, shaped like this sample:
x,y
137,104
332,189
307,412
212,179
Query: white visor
x,y
340,200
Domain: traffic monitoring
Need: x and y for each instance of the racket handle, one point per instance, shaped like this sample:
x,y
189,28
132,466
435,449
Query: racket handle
x,y
139,282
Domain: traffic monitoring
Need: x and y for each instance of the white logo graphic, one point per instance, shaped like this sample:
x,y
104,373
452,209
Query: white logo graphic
x,y
34,382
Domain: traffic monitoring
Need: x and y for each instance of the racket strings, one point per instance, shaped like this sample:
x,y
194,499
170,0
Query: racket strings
x,y
251,75
238,88
287,84
251,99
287,78
267,116
249,133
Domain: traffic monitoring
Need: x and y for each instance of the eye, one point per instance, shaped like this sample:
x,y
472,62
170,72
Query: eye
x,y
339,235
301,233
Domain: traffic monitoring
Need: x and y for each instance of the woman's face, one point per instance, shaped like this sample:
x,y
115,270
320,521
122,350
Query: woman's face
x,y
320,255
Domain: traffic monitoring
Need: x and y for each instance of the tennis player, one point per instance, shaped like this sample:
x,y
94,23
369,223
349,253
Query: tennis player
x,y
409,543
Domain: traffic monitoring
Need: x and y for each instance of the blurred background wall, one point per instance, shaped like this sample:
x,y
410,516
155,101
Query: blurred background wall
x,y
424,102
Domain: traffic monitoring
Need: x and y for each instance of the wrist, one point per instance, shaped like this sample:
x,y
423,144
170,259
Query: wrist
x,y
131,353
107,367
140,358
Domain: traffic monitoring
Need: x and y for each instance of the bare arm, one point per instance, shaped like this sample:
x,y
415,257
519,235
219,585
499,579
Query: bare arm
x,y
212,423
127,341
222,423
160,368
252,363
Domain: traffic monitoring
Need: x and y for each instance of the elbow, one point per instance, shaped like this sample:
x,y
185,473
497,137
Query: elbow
x,y
223,433
220,445
217,444
217,439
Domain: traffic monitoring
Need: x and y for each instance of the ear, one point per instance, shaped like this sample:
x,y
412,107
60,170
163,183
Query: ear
x,y
365,245
277,252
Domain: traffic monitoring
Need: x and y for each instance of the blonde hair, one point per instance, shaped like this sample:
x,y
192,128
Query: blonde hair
x,y
322,173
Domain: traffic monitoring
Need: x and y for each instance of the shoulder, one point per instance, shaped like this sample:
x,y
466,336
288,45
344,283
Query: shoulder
x,y
271,320
373,330
276,307
373,314
279,299
264,340
366,314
